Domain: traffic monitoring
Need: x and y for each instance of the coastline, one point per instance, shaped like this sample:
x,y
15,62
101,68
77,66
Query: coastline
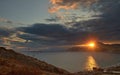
x,y
32,66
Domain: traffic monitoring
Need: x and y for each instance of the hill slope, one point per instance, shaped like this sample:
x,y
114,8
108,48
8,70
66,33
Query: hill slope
x,y
12,63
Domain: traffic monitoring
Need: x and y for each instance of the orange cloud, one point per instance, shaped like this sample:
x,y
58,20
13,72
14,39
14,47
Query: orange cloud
x,y
57,5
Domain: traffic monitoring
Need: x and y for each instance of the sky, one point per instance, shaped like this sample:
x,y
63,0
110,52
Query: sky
x,y
39,24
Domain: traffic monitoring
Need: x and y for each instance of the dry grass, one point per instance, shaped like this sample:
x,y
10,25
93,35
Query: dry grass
x,y
12,63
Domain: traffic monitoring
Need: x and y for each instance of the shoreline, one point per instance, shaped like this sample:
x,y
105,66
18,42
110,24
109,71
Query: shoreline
x,y
30,64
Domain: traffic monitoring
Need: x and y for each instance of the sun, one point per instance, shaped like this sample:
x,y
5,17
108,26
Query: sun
x,y
91,44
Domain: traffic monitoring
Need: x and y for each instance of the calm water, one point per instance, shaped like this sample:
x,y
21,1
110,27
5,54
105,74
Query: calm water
x,y
77,61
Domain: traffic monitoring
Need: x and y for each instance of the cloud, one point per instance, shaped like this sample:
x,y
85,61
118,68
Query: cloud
x,y
5,20
8,33
57,5
106,28
52,34
53,19
14,38
105,25
84,9
103,30
5,32
50,30
9,37
74,10
109,24
32,37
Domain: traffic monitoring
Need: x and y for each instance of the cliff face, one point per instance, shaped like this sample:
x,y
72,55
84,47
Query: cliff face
x,y
12,63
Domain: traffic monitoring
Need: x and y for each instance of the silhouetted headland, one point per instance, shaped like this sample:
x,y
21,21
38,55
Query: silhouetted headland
x,y
100,47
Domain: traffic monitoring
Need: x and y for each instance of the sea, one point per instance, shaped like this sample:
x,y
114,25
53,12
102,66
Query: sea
x,y
77,61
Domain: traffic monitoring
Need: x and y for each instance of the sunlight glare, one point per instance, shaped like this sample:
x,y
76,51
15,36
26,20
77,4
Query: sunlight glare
x,y
90,63
91,44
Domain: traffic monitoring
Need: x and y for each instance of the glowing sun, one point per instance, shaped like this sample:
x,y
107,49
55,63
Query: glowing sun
x,y
91,44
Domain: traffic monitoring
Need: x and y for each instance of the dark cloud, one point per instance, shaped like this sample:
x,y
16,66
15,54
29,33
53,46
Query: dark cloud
x,y
50,30
5,32
109,25
34,37
53,19
103,30
106,28
53,33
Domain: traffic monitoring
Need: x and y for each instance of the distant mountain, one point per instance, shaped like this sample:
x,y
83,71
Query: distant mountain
x,y
99,46
13,63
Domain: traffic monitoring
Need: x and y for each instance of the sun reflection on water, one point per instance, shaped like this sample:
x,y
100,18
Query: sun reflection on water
x,y
90,63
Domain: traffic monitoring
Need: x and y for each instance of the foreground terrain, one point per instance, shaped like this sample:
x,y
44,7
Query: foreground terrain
x,y
12,63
